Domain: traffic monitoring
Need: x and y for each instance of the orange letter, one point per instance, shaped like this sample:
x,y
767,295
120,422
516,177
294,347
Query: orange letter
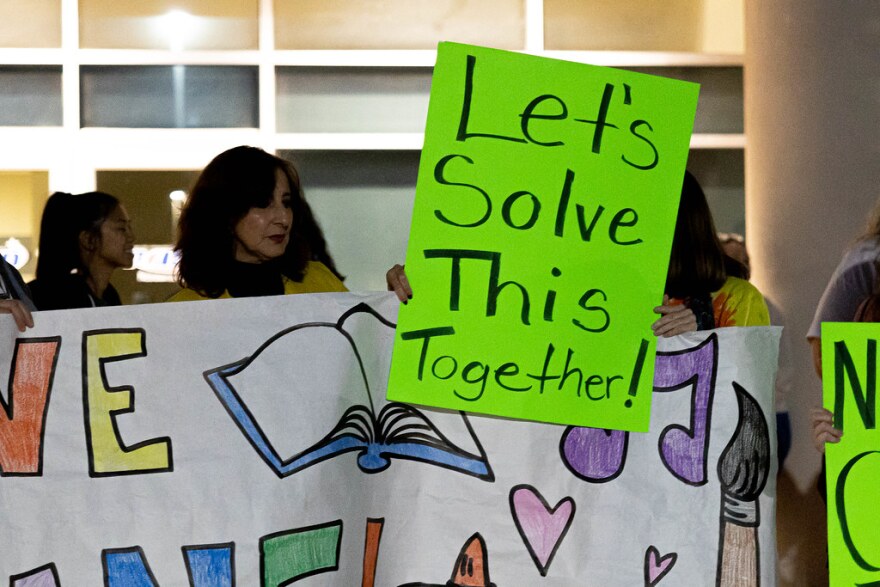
x,y
23,418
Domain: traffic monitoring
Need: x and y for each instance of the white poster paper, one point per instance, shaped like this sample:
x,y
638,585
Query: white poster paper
x,y
248,442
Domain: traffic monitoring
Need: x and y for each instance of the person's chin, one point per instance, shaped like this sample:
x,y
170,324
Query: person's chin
x,y
277,251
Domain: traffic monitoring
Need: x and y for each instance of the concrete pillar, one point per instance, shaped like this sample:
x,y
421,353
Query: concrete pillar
x,y
812,118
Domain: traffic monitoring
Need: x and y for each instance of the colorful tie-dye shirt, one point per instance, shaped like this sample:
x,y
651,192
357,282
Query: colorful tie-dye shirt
x,y
739,303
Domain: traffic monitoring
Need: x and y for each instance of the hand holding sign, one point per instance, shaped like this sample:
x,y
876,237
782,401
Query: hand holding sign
x,y
20,313
824,431
398,283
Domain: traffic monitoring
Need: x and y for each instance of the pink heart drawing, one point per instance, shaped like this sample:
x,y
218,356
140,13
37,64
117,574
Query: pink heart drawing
x,y
541,528
656,566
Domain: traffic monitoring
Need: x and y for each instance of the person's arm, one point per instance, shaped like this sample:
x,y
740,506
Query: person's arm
x,y
16,300
823,428
398,283
816,348
20,313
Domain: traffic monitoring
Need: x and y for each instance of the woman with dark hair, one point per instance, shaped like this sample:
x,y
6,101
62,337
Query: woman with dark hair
x,y
247,230
84,238
701,293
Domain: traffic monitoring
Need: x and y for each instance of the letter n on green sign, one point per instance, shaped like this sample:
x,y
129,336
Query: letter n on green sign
x,y
849,380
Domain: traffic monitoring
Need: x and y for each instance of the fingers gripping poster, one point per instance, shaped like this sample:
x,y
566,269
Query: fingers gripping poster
x,y
249,443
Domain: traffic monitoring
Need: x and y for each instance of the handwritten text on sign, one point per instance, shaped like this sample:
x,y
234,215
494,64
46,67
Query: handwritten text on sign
x,y
544,213
849,368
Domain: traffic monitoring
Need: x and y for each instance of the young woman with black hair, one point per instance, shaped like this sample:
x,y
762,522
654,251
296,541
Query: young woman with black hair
x,y
84,238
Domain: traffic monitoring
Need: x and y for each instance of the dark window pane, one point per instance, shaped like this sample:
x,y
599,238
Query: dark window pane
x,y
30,96
169,97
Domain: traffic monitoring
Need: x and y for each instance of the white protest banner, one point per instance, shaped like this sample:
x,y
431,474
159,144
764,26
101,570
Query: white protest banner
x,y
248,442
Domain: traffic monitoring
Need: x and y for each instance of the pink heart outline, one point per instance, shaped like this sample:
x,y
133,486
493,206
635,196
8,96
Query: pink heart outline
x,y
656,566
541,527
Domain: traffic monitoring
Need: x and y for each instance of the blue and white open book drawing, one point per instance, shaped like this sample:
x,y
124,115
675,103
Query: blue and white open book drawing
x,y
286,400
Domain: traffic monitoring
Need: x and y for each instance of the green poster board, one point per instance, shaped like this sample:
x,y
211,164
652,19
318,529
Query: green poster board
x,y
545,207
849,381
